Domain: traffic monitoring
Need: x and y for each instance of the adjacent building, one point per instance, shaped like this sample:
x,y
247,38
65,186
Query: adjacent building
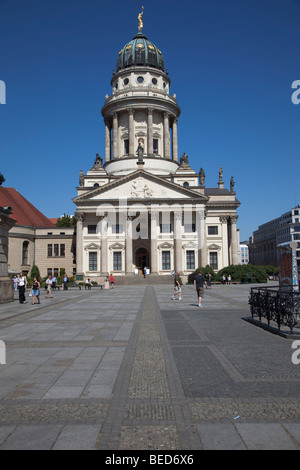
x,y
35,239
284,230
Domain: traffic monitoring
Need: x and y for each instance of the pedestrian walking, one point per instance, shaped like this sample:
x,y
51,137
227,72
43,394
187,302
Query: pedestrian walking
x,y
112,281
208,281
54,281
22,284
15,283
35,291
177,287
49,286
199,282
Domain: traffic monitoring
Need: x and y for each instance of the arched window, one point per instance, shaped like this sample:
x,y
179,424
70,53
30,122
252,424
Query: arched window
x,y
25,250
185,184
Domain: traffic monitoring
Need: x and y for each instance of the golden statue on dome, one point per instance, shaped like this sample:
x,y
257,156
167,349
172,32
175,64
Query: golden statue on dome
x,y
140,20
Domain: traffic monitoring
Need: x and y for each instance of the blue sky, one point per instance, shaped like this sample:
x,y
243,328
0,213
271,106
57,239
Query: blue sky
x,y
231,63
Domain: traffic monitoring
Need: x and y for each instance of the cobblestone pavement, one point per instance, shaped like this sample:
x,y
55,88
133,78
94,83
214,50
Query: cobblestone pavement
x,y
130,369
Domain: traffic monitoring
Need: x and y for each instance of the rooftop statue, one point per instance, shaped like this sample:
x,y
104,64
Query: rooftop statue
x,y
140,20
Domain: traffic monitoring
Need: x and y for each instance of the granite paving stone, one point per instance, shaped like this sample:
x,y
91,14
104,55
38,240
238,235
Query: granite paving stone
x,y
130,369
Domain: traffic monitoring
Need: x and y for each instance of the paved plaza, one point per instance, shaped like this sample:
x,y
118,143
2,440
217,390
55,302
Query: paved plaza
x,y
130,369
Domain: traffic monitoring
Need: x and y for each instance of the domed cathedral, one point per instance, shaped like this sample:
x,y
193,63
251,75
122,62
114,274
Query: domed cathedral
x,y
142,207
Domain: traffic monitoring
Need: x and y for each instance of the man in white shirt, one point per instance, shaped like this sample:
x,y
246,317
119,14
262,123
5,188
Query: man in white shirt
x,y
22,284
49,285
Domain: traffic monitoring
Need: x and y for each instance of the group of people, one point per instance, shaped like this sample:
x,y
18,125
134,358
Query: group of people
x,y
199,282
20,284
226,279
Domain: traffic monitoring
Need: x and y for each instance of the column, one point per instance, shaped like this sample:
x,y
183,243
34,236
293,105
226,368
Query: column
x,y
234,247
224,220
150,132
131,131
79,242
128,245
175,140
202,242
154,216
115,135
104,246
107,141
166,136
178,240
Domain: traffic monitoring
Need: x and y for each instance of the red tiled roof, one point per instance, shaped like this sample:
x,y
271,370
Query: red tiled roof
x,y
23,211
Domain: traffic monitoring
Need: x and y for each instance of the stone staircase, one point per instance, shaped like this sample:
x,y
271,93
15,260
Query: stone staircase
x,y
139,280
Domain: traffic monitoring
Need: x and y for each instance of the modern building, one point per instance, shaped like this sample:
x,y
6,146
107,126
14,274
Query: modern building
x,y
263,245
244,253
142,205
35,239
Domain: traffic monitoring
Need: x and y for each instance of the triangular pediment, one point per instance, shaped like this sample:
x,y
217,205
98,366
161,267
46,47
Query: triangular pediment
x,y
141,186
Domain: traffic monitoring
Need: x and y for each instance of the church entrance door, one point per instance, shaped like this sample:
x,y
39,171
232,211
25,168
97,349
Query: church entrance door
x,y
141,259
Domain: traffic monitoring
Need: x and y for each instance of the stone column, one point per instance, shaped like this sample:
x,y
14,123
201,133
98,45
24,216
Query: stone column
x,y
202,242
128,245
131,131
166,136
178,240
225,251
150,132
104,245
6,285
175,140
233,246
154,216
107,141
80,217
115,135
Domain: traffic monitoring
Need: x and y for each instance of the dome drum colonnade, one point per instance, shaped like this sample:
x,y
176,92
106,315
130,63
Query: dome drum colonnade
x,y
140,108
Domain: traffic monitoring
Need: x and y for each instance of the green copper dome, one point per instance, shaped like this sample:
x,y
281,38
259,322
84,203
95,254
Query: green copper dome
x,y
140,51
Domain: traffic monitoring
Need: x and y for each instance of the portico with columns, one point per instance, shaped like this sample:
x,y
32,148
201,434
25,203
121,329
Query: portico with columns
x,y
142,205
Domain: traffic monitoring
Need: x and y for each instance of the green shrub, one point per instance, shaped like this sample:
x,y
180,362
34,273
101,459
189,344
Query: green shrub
x,y
244,273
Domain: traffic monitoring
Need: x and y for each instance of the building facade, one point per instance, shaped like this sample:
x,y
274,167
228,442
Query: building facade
x,y
35,239
142,205
284,230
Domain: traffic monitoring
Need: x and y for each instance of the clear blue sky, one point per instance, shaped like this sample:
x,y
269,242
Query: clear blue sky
x,y
231,64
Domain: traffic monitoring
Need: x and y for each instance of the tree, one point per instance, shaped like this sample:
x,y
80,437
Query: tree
x,y
66,221
35,272
2,179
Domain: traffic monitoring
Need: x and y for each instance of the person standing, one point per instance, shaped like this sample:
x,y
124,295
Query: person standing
x,y
35,291
112,281
22,284
65,281
177,286
15,283
49,286
54,281
199,282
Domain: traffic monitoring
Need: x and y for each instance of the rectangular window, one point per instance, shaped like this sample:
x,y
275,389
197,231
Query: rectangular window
x,y
92,229
213,259
55,272
117,261
93,261
126,146
62,249
117,228
49,251
55,252
190,228
49,272
166,260
155,146
213,230
190,259
165,228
